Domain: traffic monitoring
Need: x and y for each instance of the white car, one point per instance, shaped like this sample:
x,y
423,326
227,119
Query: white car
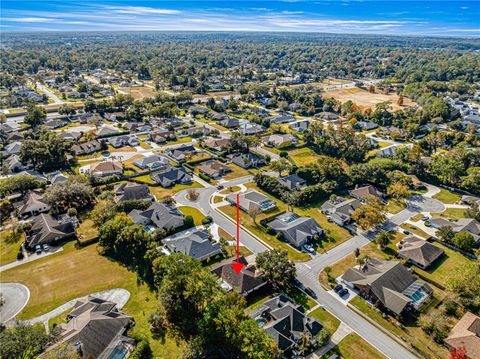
x,y
309,248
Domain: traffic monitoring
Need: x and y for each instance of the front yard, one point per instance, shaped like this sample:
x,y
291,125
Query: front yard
x,y
161,192
303,156
195,213
354,347
451,213
447,196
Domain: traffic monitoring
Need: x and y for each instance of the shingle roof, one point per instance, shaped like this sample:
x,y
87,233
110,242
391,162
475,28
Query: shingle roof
x,y
45,229
196,245
419,251
296,229
162,215
132,192
466,333
171,176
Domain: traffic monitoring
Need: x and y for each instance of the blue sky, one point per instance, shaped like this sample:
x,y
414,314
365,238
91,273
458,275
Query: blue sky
x,y
458,18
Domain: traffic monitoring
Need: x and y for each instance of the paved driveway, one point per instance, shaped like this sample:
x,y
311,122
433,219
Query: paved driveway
x,y
15,296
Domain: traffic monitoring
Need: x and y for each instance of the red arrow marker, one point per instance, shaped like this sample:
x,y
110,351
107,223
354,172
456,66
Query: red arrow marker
x,y
237,266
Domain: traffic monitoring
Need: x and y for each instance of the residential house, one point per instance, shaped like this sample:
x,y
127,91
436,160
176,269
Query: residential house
x,y
70,135
132,192
286,323
195,243
328,116
105,169
197,110
162,136
106,130
122,141
279,141
217,116
159,215
214,169
466,334
12,148
252,200
32,173
218,144
282,119
250,128
469,225
340,210
296,230
292,182
86,148
34,203
57,177
299,126
247,281
46,230
419,252
13,164
471,201
196,131
229,122
366,125
180,153
171,176
151,162
247,160
362,193
389,284
14,136
387,152
55,123
97,328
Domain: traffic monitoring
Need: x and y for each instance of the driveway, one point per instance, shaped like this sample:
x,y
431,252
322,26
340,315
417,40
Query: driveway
x,y
15,296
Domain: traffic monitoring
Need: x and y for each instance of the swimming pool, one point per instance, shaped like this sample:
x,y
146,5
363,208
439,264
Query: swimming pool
x,y
118,353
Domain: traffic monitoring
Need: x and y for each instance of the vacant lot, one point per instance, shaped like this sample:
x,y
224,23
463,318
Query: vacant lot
x,y
161,192
365,99
303,156
8,249
447,196
138,93
66,275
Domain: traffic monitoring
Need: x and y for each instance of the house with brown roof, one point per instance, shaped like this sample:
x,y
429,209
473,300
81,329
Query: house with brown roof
x,y
362,193
105,169
218,144
132,192
214,169
33,204
419,252
97,328
466,334
46,230
247,281
389,284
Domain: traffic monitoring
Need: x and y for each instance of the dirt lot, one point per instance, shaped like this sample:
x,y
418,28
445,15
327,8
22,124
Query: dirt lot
x,y
366,99
138,93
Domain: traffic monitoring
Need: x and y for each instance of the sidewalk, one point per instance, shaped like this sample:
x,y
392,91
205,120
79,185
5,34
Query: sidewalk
x,y
32,257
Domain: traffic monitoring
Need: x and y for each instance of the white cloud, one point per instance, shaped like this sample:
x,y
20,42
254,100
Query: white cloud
x,y
141,10
30,19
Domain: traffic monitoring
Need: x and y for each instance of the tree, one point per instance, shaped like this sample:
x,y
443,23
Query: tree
x,y
277,269
102,212
35,115
66,109
383,239
447,169
76,193
464,240
142,351
369,215
192,194
400,100
62,351
464,281
398,190
445,233
459,353
322,337
24,341
20,183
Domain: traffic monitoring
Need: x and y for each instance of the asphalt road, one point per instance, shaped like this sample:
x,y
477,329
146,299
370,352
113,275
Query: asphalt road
x,y
16,296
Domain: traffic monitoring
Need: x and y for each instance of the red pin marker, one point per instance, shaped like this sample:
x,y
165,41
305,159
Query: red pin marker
x,y
237,266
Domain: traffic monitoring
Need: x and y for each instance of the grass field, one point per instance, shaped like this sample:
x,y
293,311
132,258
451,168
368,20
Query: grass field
x,y
230,190
328,320
72,273
354,347
8,250
415,230
447,196
303,156
366,99
138,93
451,213
237,172
87,231
195,213
161,192
394,206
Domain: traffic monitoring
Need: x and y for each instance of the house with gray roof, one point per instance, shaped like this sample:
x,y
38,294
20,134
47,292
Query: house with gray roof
x,y
389,284
194,243
470,225
252,200
46,229
286,322
387,152
171,176
247,160
419,252
97,328
132,192
123,141
340,210
213,169
229,122
86,148
296,230
250,128
179,153
362,193
279,141
12,148
299,126
159,215
282,119
152,162
14,164
292,182
247,281
33,204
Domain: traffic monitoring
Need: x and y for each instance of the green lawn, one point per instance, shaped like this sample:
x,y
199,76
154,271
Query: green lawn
x,y
354,347
447,196
445,266
8,250
413,334
217,199
417,217
230,190
303,156
451,213
237,172
327,319
394,206
161,192
72,273
87,231
195,213
415,230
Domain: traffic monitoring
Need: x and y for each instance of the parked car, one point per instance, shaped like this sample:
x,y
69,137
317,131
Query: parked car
x,y
338,288
298,283
425,218
342,292
406,232
38,249
311,293
46,248
220,186
309,248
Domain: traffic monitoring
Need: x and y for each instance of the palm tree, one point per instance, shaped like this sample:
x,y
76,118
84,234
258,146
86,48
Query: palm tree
x,y
383,239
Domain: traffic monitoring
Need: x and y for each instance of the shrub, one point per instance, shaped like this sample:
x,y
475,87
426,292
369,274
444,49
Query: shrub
x,y
207,220
204,177
283,154
188,221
